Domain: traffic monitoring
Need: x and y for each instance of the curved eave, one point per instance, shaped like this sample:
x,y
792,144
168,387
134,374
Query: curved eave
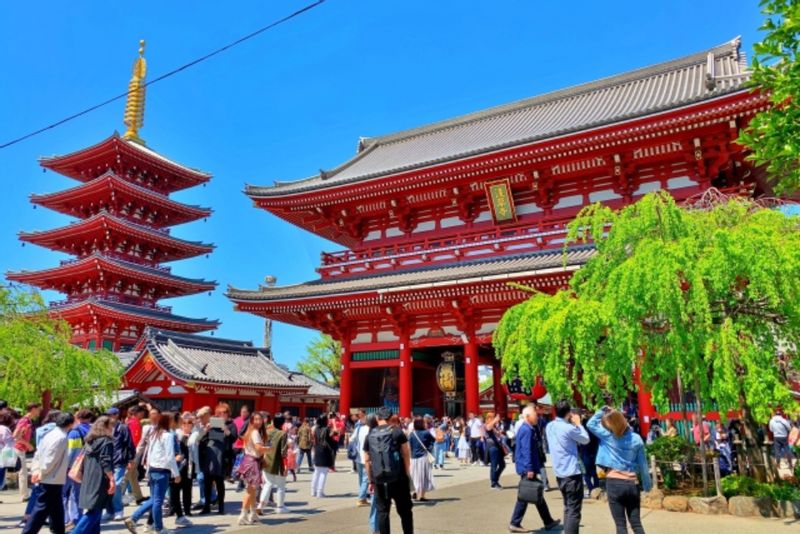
x,y
110,182
72,164
104,221
131,315
97,263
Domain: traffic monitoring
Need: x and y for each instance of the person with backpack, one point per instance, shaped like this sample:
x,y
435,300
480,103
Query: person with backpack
x,y
324,443
72,489
355,452
781,428
97,475
124,455
388,464
23,432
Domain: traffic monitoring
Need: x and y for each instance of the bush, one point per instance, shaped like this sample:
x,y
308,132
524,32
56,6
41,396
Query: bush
x,y
670,449
785,492
741,485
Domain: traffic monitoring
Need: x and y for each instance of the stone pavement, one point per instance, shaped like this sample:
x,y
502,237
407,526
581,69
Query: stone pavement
x,y
462,504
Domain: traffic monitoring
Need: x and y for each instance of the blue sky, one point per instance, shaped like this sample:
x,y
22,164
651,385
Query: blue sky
x,y
296,99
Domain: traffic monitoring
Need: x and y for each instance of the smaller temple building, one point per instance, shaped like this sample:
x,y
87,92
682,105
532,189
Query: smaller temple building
x,y
181,372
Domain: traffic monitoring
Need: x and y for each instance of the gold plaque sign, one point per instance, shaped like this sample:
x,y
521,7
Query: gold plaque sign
x,y
501,201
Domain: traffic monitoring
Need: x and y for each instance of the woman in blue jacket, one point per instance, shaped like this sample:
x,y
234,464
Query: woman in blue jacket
x,y
621,452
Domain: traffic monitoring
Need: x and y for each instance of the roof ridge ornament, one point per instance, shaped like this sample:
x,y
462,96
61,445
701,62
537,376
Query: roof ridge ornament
x,y
134,108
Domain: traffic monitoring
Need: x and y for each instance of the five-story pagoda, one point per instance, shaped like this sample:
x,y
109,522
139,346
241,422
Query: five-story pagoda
x,y
121,237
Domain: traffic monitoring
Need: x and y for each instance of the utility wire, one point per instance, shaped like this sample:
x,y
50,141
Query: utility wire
x,y
166,75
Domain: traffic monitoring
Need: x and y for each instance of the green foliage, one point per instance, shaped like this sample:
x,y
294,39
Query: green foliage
x,y
670,449
669,479
36,356
485,383
785,492
704,295
773,135
743,485
323,360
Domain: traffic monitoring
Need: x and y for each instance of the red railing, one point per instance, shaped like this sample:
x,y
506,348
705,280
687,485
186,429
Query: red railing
x,y
443,249
110,298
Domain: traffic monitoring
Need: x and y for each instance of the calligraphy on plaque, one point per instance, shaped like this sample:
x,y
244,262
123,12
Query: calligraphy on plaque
x,y
501,201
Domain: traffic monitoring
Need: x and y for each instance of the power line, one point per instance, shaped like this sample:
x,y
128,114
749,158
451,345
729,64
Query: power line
x,y
166,75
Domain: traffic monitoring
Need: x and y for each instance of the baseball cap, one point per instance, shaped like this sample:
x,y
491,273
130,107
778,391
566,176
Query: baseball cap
x,y
113,411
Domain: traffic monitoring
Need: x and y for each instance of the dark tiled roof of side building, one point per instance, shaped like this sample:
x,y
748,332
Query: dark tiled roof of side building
x,y
633,94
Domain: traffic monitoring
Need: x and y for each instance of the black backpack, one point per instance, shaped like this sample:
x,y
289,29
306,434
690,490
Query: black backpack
x,y
384,455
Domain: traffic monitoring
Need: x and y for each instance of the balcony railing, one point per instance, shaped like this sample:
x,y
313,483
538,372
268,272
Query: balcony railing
x,y
123,257
456,247
135,301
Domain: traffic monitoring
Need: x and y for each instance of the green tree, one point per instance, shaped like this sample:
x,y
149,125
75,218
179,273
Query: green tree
x,y
485,383
36,357
323,360
705,295
773,135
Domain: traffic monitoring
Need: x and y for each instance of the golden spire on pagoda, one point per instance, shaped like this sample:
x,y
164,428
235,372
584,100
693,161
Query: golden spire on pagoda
x,y
134,108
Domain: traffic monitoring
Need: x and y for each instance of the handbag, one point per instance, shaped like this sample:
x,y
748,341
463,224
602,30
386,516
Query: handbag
x,y
8,458
76,471
530,491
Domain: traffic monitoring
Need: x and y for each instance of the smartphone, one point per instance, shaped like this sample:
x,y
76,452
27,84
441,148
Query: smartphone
x,y
217,422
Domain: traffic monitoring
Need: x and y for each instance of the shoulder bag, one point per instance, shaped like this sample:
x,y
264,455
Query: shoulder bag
x,y
431,458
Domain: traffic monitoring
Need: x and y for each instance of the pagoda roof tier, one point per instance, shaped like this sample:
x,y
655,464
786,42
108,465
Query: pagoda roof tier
x,y
454,275
144,165
205,359
689,80
114,194
97,266
131,314
104,231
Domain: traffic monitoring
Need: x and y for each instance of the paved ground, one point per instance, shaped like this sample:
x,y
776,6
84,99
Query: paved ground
x,y
462,504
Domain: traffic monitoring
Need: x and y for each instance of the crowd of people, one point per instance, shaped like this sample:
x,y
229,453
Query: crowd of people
x,y
85,467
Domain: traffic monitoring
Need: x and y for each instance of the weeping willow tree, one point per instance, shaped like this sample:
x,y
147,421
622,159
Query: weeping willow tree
x,y
37,359
706,295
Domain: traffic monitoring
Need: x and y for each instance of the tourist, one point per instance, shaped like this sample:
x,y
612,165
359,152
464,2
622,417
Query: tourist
x,y
671,430
463,449
358,438
202,417
475,429
621,452
72,489
387,446
290,462
440,445
456,431
780,428
50,473
161,464
6,440
697,424
97,483
588,454
240,422
539,436
371,424
304,441
134,421
496,450
124,455
250,468
274,474
23,432
180,490
421,443
527,467
564,435
48,424
324,445
215,446
655,431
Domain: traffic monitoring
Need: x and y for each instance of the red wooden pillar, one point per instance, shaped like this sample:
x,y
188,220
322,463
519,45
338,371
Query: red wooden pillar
x,y
471,384
405,385
345,382
646,409
500,399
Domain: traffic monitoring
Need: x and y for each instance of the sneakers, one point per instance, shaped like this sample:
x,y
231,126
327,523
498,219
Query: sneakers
x,y
515,528
183,521
130,524
281,510
106,517
119,517
363,502
127,499
243,520
254,519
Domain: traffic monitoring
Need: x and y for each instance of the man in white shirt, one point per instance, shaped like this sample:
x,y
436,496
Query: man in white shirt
x,y
780,428
360,432
50,472
475,438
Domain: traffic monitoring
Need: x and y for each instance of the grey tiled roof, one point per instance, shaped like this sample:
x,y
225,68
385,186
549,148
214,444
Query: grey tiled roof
x,y
634,94
506,265
222,361
316,387
140,311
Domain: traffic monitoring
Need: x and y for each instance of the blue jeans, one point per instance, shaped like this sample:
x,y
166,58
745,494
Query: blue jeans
x,y
438,451
34,494
89,522
159,483
363,482
120,479
497,463
72,495
200,479
2,478
373,515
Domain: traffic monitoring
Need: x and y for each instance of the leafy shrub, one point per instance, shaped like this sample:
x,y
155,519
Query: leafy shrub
x,y
785,492
741,485
670,449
